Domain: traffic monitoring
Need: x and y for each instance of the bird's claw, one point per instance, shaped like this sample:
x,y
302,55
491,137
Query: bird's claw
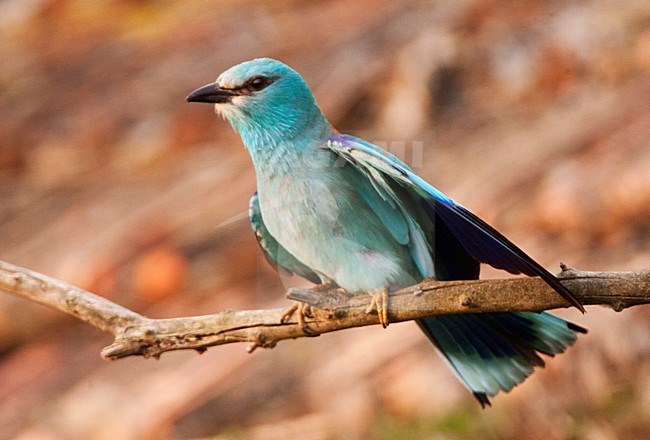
x,y
303,310
379,302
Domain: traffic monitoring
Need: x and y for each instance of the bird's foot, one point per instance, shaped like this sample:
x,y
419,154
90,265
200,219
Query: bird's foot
x,y
379,302
303,310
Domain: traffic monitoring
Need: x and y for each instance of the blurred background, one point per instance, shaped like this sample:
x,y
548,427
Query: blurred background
x,y
534,114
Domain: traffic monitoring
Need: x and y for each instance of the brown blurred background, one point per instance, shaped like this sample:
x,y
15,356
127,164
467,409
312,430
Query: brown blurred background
x,y
534,114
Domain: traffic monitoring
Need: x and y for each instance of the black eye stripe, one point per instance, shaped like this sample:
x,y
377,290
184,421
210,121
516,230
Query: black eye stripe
x,y
258,83
254,84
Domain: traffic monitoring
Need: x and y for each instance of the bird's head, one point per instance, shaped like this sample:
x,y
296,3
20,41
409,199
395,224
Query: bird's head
x,y
261,98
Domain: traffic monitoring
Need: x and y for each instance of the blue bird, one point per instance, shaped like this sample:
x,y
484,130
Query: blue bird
x,y
339,211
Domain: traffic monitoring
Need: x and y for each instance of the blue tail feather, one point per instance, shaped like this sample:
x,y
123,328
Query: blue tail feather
x,y
492,352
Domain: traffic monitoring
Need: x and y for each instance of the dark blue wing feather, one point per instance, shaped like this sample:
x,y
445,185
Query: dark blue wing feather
x,y
489,246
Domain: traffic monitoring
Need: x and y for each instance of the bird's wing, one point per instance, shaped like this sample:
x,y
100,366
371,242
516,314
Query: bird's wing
x,y
280,258
480,240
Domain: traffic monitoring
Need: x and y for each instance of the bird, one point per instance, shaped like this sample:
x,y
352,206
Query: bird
x,y
343,213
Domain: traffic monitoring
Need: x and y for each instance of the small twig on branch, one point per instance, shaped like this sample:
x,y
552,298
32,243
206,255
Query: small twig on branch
x,y
138,335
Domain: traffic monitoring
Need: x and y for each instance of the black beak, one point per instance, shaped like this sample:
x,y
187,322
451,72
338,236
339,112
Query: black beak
x,y
212,93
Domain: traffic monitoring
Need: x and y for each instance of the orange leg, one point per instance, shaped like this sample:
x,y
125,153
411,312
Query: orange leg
x,y
303,310
379,302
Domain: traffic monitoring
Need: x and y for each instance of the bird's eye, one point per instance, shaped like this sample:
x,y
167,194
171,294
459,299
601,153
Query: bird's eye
x,y
259,83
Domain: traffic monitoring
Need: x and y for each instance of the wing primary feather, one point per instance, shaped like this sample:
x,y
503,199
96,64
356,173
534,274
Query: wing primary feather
x,y
526,264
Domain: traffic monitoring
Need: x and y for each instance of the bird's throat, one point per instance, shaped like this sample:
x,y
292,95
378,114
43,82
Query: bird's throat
x,y
280,148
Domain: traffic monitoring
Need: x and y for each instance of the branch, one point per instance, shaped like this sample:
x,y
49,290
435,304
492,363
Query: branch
x,y
335,310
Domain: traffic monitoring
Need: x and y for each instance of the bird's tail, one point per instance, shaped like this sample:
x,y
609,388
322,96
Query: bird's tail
x,y
492,352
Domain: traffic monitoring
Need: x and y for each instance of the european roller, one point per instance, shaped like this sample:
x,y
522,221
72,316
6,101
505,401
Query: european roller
x,y
341,212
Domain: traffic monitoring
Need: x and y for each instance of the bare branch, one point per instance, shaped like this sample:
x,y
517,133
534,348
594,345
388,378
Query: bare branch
x,y
95,310
334,309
